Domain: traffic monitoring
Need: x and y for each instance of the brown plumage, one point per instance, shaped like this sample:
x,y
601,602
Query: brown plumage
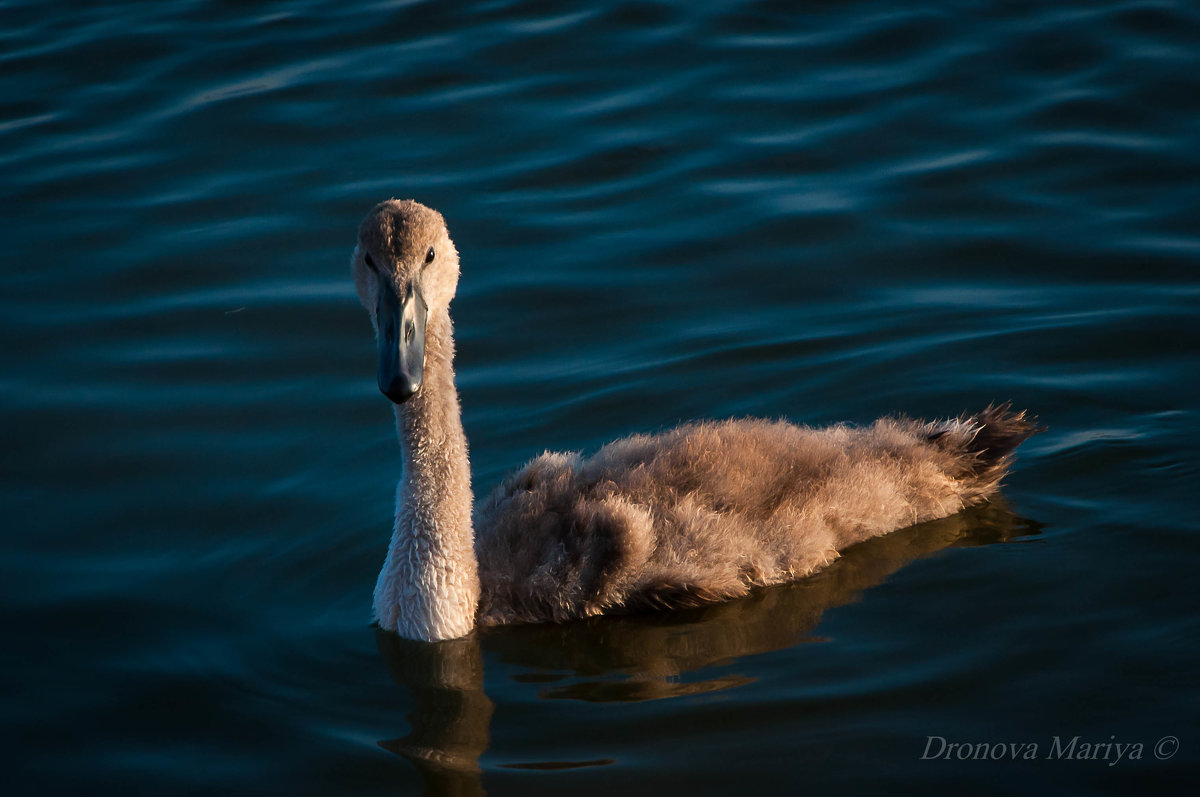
x,y
701,513
707,511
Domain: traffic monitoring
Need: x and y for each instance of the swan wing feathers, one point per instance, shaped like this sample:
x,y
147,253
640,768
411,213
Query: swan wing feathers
x,y
706,511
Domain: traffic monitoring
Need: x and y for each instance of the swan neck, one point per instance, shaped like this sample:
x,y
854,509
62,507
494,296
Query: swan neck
x,y
433,414
429,586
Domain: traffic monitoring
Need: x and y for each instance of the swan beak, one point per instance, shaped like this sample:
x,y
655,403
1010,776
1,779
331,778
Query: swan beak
x,y
401,342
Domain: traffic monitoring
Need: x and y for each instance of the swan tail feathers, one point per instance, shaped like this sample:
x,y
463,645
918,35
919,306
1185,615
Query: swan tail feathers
x,y
983,445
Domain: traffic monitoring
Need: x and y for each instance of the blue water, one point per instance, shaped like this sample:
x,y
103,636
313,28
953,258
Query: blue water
x,y
665,211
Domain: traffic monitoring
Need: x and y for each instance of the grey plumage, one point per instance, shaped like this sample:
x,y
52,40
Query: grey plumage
x,y
708,511
701,513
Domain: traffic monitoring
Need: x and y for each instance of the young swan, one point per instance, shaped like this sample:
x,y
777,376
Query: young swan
x,y
697,514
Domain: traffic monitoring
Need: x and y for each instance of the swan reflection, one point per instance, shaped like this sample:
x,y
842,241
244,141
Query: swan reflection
x,y
641,657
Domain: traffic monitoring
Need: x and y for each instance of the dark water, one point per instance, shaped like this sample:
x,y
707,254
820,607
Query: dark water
x,y
665,211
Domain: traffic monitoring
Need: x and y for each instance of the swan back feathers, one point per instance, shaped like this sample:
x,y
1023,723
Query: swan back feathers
x,y
710,510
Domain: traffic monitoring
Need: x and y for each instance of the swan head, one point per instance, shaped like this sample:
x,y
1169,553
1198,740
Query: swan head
x,y
405,271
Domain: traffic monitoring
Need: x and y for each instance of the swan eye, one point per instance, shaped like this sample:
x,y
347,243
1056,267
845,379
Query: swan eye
x,y
370,263
429,255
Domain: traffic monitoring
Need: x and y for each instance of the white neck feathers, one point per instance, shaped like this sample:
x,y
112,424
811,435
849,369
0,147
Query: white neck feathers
x,y
429,586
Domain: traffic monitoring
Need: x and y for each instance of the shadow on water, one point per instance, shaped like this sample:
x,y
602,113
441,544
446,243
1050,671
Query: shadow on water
x,y
642,657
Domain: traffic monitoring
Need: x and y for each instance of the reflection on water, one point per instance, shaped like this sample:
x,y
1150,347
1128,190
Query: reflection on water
x,y
642,657
452,712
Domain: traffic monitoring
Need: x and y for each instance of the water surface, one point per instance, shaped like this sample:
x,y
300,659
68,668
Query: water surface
x,y
665,211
